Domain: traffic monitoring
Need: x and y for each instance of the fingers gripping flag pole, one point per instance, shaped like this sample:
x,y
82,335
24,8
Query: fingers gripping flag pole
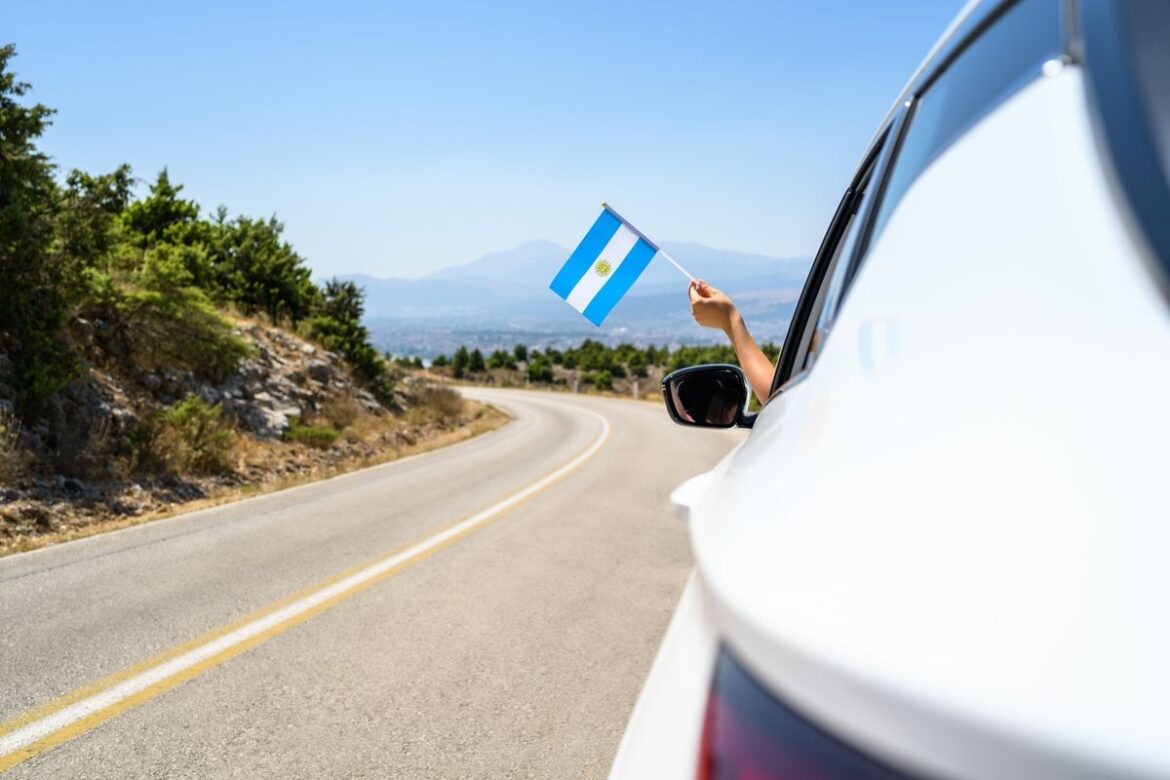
x,y
605,265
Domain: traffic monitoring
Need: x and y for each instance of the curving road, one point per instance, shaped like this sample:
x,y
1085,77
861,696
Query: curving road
x,y
486,610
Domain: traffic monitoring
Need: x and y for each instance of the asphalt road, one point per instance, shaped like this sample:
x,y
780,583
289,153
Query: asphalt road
x,y
512,646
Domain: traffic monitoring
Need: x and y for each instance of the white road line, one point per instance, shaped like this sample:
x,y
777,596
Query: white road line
x,y
63,718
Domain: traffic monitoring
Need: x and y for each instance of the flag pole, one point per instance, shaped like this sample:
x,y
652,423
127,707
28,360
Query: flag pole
x,y
643,236
674,262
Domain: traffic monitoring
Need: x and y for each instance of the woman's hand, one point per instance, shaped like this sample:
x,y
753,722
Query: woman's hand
x,y
711,308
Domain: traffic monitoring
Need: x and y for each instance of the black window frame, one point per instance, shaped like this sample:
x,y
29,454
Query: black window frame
x,y
817,275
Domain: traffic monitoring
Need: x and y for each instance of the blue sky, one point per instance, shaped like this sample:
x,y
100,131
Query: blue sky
x,y
398,138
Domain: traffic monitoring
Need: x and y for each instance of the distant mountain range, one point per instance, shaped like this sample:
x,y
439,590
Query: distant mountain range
x,y
503,298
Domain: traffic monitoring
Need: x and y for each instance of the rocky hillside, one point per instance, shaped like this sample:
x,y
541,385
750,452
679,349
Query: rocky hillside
x,y
128,442
286,380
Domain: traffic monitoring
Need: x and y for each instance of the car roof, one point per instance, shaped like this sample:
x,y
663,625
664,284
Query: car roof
x,y
971,18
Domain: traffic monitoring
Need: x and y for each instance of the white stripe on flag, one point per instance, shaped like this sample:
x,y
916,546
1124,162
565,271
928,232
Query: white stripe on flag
x,y
591,282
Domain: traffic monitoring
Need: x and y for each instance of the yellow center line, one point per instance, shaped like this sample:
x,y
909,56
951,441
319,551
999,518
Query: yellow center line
x,y
69,716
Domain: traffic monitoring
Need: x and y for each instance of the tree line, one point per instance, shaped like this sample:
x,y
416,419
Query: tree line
x,y
593,362
150,274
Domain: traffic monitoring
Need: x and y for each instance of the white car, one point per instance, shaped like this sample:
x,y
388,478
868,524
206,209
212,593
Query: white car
x,y
944,548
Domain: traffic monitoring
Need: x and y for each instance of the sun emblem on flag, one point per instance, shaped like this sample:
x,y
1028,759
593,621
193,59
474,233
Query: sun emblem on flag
x,y
603,268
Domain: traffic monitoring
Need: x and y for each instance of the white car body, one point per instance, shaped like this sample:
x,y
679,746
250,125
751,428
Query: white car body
x,y
945,544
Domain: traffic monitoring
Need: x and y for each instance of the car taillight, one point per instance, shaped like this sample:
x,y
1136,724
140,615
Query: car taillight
x,y
749,734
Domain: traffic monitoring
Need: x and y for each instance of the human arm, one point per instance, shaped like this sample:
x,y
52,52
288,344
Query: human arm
x,y
713,309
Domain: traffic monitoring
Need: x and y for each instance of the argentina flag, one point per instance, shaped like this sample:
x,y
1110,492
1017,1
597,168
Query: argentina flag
x,y
607,262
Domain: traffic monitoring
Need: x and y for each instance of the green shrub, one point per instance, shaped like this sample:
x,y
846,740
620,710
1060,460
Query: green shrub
x,y
637,364
170,323
258,271
203,436
459,362
501,359
162,216
32,275
540,370
190,437
317,436
602,380
475,362
337,326
405,361
694,356
596,361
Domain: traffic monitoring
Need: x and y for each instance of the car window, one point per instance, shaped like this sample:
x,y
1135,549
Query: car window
x,y
836,248
999,61
1148,25
825,312
1128,62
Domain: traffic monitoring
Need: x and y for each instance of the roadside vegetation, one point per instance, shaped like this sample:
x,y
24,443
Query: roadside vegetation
x,y
153,352
11,455
190,437
156,271
591,367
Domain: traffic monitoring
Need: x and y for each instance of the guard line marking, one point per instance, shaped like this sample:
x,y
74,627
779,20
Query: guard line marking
x,y
72,715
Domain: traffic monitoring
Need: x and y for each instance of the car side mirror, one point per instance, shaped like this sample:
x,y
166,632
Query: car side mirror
x,y
713,396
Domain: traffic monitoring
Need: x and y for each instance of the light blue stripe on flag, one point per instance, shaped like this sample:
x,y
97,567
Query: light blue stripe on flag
x,y
586,253
603,267
621,281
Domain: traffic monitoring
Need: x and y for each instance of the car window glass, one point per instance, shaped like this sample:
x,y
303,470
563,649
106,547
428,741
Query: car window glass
x,y
1149,47
835,288
995,65
1128,57
834,253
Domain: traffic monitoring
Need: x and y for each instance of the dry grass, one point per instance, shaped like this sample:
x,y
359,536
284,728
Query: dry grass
x,y
340,412
12,459
319,436
367,426
484,418
437,403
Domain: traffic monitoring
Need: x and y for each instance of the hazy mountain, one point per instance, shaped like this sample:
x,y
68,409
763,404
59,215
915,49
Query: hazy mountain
x,y
525,265
503,298
532,265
